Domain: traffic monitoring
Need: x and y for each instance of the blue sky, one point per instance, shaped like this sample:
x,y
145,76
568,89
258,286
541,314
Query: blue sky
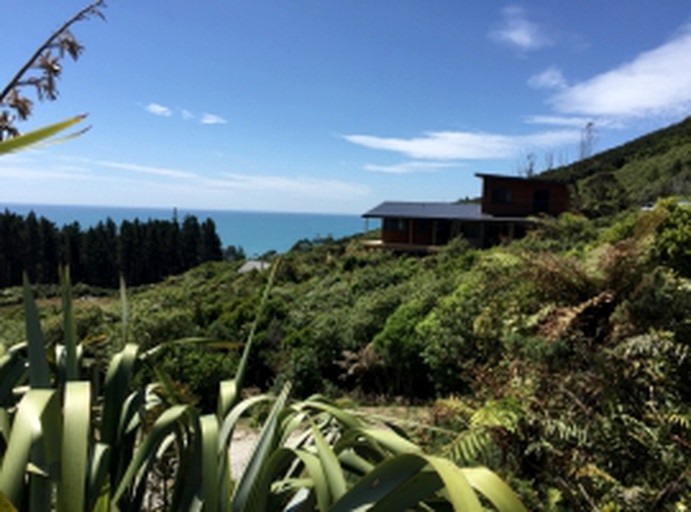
x,y
335,106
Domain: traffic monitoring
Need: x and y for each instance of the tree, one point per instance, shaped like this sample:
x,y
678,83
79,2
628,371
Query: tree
x,y
210,242
70,249
99,251
48,263
190,242
30,244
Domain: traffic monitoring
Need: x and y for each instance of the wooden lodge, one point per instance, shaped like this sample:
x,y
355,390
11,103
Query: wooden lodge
x,y
505,212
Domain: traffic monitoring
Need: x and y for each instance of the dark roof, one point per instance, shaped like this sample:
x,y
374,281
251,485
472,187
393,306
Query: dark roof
x,y
435,210
536,178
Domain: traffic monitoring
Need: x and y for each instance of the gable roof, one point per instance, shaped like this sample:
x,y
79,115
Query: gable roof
x,y
468,212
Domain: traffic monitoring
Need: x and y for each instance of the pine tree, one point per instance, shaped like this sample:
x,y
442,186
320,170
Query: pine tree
x,y
210,242
48,259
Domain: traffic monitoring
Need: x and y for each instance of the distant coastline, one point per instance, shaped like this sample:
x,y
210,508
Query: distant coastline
x,y
255,232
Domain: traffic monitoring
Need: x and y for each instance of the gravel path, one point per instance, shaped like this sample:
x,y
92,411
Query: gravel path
x,y
241,448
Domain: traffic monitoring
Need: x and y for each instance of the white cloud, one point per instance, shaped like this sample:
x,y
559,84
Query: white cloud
x,y
466,145
161,110
43,175
655,83
409,167
574,121
517,31
212,119
303,186
551,78
158,110
144,169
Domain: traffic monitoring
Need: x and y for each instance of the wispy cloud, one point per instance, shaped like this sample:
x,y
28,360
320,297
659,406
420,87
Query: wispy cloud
x,y
551,78
143,169
303,186
228,180
158,110
655,83
517,31
566,121
44,174
186,114
212,119
410,167
574,121
466,145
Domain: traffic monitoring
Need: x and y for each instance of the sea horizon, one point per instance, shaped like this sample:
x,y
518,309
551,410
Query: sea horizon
x,y
256,232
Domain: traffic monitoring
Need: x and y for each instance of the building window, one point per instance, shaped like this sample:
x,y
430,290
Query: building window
x,y
501,196
400,225
541,201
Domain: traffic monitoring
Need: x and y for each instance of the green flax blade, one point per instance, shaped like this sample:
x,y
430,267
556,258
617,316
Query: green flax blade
x,y
26,429
75,446
39,373
39,135
72,365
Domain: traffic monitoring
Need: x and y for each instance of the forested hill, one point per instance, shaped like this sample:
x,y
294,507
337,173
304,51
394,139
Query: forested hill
x,y
634,174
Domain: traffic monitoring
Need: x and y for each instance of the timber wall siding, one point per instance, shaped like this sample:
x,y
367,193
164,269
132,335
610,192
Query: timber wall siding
x,y
512,197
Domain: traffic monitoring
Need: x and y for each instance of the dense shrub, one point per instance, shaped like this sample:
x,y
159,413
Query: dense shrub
x,y
672,245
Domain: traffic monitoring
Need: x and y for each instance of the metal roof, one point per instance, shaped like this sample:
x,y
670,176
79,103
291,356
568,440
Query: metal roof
x,y
435,210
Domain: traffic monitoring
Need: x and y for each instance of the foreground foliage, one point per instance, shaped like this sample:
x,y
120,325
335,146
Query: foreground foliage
x,y
74,443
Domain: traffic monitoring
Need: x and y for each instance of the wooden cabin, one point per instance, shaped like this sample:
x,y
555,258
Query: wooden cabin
x,y
504,213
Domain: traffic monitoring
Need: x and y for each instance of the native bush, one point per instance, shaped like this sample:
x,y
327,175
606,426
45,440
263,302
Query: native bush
x,y
400,346
672,246
114,443
199,370
661,300
153,324
626,224
554,278
450,345
569,231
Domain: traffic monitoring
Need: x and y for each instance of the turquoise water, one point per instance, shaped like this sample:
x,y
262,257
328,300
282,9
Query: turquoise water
x,y
255,232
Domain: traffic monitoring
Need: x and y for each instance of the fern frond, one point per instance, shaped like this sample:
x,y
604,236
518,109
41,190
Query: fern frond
x,y
494,414
472,446
593,472
680,420
565,432
639,431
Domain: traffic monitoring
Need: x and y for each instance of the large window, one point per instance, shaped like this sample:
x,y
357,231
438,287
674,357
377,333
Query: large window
x,y
400,225
501,195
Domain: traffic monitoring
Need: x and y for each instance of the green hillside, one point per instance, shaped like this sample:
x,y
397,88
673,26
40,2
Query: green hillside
x,y
561,361
633,174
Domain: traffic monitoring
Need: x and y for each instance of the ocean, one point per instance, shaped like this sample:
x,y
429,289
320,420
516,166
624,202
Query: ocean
x,y
255,232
